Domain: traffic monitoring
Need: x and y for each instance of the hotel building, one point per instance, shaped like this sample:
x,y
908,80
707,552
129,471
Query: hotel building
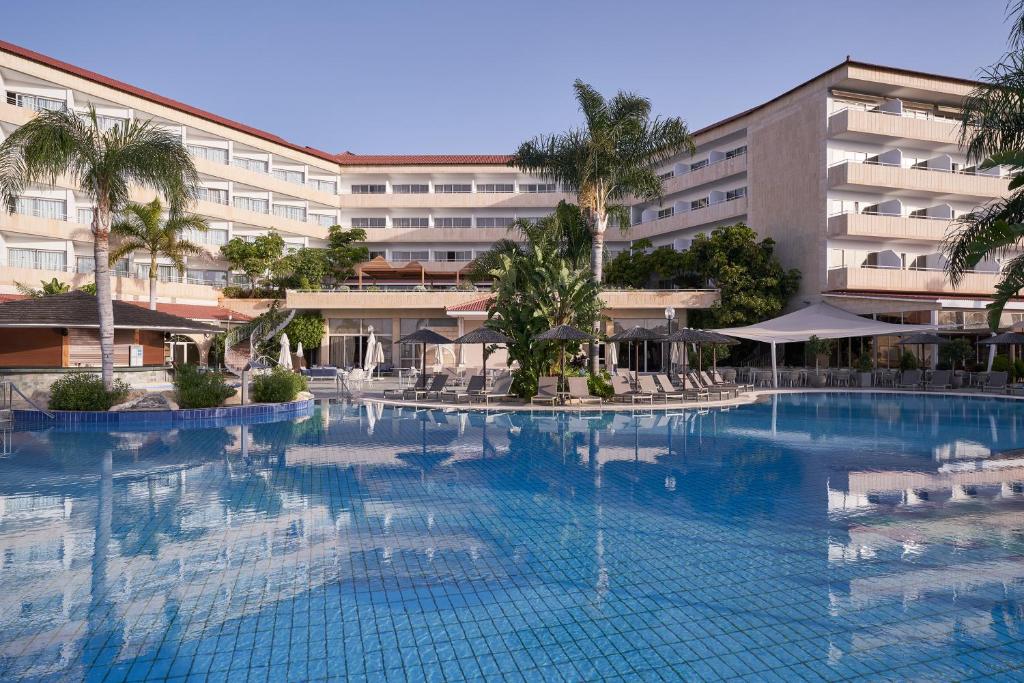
x,y
856,174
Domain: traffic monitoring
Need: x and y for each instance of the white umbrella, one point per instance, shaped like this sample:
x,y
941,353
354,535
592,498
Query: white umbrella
x,y
284,359
378,357
612,351
298,349
371,345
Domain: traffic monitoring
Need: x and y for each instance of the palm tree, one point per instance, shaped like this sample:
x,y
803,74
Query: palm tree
x,y
141,227
106,164
610,160
991,135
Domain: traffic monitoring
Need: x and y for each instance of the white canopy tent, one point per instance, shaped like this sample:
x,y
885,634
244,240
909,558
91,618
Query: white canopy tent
x,y
821,320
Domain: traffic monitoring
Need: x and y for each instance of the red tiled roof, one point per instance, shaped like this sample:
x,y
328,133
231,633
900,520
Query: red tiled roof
x,y
350,159
4,298
474,306
197,312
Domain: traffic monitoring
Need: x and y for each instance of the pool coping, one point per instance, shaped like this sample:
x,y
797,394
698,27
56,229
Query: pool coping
x,y
169,418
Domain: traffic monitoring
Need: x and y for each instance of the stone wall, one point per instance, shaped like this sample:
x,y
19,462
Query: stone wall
x,y
32,381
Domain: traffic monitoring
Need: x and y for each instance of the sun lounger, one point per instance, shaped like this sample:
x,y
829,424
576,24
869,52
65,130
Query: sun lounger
x,y
720,392
909,379
547,391
648,386
706,380
422,382
940,379
474,386
996,382
624,393
435,388
501,391
579,391
719,380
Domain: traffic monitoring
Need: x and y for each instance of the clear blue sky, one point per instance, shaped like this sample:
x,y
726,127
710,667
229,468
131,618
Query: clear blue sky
x,y
481,76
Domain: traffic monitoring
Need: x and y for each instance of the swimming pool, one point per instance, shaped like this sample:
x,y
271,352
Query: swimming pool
x,y
809,536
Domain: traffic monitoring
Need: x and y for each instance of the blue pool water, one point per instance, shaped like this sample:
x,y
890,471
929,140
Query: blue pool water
x,y
813,537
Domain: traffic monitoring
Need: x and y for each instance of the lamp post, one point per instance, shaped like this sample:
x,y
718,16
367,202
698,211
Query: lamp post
x,y
670,315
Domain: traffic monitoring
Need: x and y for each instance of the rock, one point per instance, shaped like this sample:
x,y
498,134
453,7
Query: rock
x,y
304,396
148,401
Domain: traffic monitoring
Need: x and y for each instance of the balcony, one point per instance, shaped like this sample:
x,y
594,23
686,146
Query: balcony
x,y
264,181
888,228
732,209
713,172
124,287
860,278
445,236
920,182
454,200
941,134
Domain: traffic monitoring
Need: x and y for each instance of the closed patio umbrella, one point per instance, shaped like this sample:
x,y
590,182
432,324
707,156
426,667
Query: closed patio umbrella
x,y
636,334
368,353
688,335
424,336
483,336
284,358
563,334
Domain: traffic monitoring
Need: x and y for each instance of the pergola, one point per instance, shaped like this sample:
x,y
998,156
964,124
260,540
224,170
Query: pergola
x,y
817,320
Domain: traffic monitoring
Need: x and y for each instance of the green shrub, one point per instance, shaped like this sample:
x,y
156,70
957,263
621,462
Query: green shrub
x,y
85,391
864,363
277,386
195,389
600,384
908,361
956,353
1018,369
1001,363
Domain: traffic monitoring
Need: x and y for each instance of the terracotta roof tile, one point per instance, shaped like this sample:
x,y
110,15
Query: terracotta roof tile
x,y
474,306
350,159
198,312
78,309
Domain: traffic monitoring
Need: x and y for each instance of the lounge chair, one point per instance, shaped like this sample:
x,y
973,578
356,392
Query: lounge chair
x,y
720,381
997,381
624,393
475,386
695,390
909,379
422,382
725,392
547,391
501,391
707,381
435,388
648,386
579,391
940,379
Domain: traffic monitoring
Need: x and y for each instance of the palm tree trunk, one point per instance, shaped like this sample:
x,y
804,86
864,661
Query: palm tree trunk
x,y
152,283
597,267
104,299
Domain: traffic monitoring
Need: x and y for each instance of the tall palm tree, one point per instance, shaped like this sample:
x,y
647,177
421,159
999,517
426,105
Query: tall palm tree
x,y
611,159
141,227
992,134
106,164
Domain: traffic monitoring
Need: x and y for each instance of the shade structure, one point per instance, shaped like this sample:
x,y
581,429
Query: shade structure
x,y
284,358
562,334
633,335
1004,338
821,320
483,336
928,338
424,336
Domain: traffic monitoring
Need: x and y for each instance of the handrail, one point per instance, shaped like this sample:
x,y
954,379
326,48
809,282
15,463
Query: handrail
x,y
10,401
917,167
890,215
928,116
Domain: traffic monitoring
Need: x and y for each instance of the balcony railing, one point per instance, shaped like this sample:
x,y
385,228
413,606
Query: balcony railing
x,y
75,269
970,171
36,103
905,113
692,210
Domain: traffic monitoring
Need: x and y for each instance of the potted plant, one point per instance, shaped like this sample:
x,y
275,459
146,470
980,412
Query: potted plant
x,y
956,354
817,348
864,368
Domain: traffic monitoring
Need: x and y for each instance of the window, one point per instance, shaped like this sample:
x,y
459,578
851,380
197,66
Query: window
x,y
736,152
104,123
453,222
55,209
324,221
289,176
698,203
85,264
369,189
495,187
369,222
40,259
459,255
295,213
494,221
85,215
410,189
214,154
409,354
348,339
210,194
409,255
738,193
253,204
666,175
375,253
698,165
257,165
35,102
537,188
421,222
213,236
328,186
666,213
213,278
453,188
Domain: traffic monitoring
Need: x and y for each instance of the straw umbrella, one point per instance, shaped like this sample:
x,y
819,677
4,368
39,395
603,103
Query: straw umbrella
x,y
483,336
688,335
562,334
718,338
1011,338
922,339
424,336
636,334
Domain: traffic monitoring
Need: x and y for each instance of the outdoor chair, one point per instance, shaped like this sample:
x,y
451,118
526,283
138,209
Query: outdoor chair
x,y
579,391
721,381
547,391
720,391
500,391
420,384
997,381
623,392
648,386
940,379
707,381
909,379
436,387
666,385
473,387
695,392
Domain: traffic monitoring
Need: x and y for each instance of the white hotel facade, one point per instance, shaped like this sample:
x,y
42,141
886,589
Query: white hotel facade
x,y
856,174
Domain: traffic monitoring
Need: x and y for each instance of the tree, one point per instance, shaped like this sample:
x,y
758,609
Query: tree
x,y
141,227
534,291
105,164
612,158
307,329
991,135
253,258
306,268
345,251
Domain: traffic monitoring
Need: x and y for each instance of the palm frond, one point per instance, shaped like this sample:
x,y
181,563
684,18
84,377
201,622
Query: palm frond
x,y
1009,285
992,229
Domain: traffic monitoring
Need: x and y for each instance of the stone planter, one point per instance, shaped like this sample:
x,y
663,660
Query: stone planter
x,y
864,379
817,379
956,381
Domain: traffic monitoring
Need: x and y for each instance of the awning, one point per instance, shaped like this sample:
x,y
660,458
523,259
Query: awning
x,y
819,320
